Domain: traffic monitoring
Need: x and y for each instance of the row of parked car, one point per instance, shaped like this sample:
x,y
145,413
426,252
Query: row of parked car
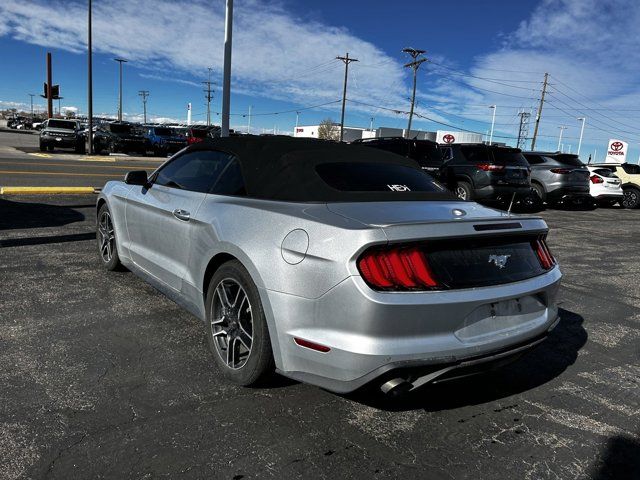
x,y
121,137
508,176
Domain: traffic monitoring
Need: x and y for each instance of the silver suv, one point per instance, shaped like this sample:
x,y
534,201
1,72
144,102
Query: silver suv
x,y
558,176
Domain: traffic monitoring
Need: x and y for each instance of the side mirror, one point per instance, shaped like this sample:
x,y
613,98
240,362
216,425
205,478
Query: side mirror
x,y
137,177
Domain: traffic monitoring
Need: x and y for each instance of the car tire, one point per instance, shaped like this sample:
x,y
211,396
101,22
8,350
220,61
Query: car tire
x,y
50,148
631,198
80,148
464,191
106,238
238,337
539,191
607,203
43,147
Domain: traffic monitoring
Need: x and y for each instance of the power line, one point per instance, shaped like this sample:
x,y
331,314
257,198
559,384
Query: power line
x,y
487,79
490,91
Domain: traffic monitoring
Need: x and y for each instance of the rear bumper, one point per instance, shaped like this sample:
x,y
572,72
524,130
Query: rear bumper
x,y
501,192
371,333
558,192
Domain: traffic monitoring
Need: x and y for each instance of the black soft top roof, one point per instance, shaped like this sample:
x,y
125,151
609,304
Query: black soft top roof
x,y
284,168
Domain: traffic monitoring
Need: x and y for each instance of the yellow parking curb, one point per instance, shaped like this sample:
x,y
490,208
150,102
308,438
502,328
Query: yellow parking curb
x,y
43,155
44,190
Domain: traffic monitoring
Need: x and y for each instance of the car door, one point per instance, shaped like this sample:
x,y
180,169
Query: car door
x,y
160,219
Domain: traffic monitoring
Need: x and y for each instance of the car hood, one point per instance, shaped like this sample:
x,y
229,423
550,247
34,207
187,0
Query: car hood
x,y
380,214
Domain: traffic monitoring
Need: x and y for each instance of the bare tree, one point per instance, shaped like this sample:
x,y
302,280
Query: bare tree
x,y
327,130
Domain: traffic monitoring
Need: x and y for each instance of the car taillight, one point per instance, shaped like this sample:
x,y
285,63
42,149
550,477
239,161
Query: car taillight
x,y
490,167
561,171
544,254
596,179
396,269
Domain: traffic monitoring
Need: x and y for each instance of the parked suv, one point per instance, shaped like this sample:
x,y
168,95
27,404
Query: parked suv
x,y
630,176
485,172
425,152
119,137
557,176
163,140
57,133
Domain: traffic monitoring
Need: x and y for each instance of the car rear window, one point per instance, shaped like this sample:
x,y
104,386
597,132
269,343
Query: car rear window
x,y
486,154
571,160
114,128
604,172
631,169
62,124
199,132
375,177
163,131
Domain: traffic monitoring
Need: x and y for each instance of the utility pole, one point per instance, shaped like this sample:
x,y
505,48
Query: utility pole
x,y
297,118
523,132
493,121
415,64
583,120
346,61
371,124
89,85
562,129
120,61
144,94
31,95
249,122
208,96
539,114
226,72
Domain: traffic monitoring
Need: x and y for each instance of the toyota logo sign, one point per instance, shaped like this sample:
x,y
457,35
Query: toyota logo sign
x,y
448,138
616,146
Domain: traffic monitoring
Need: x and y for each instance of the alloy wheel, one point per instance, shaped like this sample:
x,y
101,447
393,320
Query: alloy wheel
x,y
107,237
630,199
232,323
461,193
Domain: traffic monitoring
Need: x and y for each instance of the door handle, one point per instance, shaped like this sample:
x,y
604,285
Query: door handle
x,y
181,214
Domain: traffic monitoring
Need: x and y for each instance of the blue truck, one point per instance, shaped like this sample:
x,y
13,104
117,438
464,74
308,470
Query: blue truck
x,y
163,140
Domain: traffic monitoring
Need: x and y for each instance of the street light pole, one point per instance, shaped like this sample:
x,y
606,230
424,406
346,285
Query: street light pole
x,y
583,120
249,122
31,95
226,73
493,121
562,129
89,85
120,61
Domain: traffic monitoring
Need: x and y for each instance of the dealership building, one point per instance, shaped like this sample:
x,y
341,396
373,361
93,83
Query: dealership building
x,y
356,133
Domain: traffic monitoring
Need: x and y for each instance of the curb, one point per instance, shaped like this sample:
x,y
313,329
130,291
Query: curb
x,y
46,190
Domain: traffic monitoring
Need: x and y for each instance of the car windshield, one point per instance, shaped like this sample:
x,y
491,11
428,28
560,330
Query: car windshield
x,y
120,128
163,131
62,124
571,160
375,177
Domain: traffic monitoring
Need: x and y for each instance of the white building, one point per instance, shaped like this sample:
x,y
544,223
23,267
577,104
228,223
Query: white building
x,y
356,133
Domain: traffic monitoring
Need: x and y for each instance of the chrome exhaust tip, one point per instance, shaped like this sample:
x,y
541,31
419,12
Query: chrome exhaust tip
x,y
396,387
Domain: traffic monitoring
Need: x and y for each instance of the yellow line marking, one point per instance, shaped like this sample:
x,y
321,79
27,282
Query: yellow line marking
x,y
134,167
43,155
44,190
58,173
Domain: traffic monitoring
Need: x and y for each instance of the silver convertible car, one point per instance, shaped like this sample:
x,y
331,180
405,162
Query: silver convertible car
x,y
337,265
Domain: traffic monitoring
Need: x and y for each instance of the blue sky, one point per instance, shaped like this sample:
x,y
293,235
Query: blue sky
x,y
481,53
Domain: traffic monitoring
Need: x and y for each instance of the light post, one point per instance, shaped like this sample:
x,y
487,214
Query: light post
x,y
120,61
89,86
583,120
493,121
226,72
562,129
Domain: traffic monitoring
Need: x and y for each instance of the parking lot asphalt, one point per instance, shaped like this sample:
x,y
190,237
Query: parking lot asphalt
x,y
22,164
103,377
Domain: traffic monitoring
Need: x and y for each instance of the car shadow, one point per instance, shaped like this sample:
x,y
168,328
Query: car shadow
x,y
17,215
537,367
620,460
